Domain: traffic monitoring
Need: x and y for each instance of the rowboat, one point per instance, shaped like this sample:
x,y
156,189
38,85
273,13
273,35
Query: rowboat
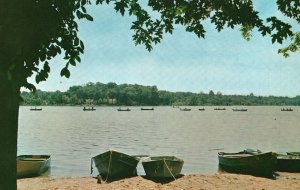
x,y
113,164
294,153
89,109
248,162
127,109
185,109
288,163
32,165
147,109
219,108
36,109
201,109
162,166
286,109
237,109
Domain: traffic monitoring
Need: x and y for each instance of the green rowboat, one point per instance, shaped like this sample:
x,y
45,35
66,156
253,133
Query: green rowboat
x,y
248,162
288,163
294,153
114,164
162,166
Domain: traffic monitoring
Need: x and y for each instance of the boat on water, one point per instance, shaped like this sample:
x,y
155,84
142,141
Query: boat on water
x,y
288,163
88,109
249,161
286,109
36,109
32,165
239,109
127,109
147,109
219,108
201,109
162,166
113,164
185,109
293,153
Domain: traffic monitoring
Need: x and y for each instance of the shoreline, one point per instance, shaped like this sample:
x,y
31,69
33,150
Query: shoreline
x,y
288,181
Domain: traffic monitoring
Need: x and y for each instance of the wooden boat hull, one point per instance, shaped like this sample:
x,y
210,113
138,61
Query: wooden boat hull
x,y
185,109
260,164
294,153
240,110
36,109
288,163
114,164
162,166
32,165
286,109
147,109
88,109
124,109
219,109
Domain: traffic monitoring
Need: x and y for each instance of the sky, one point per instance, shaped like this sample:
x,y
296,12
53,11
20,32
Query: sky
x,y
223,61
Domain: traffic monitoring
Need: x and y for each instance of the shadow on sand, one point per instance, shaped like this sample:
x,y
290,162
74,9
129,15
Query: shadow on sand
x,y
102,179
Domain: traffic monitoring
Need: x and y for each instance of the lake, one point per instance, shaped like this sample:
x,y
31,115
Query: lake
x,y
72,136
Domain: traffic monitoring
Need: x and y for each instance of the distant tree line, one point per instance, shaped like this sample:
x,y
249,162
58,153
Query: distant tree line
x,y
138,95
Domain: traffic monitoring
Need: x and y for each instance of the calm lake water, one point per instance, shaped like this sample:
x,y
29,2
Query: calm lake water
x,y
72,136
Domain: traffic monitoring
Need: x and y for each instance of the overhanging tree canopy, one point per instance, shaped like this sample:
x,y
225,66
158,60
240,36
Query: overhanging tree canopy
x,y
32,32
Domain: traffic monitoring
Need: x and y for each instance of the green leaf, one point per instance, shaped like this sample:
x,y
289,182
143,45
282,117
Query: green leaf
x,y
83,9
30,87
88,17
72,62
78,59
82,45
120,7
79,14
46,67
65,72
76,41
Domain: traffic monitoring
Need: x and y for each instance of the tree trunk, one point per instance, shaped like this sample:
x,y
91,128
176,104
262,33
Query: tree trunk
x,y
9,111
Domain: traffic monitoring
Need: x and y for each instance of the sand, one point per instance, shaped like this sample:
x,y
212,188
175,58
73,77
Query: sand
x,y
288,181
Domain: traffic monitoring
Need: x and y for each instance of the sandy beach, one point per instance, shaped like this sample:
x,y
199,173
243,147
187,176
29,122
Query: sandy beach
x,y
288,181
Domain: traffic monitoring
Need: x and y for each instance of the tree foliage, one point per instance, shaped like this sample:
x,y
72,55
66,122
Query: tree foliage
x,y
138,95
40,30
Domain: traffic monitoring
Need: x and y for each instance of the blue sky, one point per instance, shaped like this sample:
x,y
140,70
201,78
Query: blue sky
x,y
222,61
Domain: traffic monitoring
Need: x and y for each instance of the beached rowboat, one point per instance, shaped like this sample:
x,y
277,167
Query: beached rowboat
x,y
32,165
294,153
248,162
288,163
114,164
162,166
